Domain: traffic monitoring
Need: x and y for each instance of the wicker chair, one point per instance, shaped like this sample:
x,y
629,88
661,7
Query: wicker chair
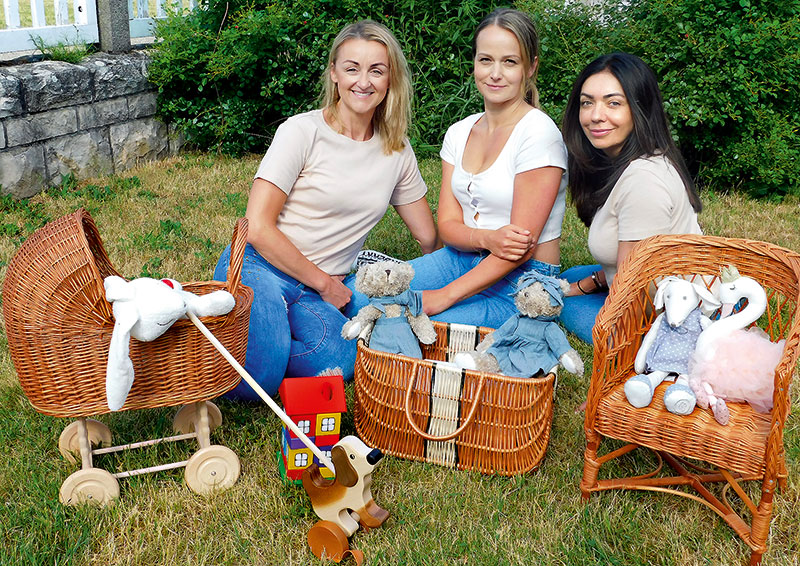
x,y
750,447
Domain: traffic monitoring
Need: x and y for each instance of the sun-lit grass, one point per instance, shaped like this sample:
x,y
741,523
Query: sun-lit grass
x,y
173,218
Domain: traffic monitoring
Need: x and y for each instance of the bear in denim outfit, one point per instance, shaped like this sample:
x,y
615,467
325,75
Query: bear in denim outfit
x,y
396,311
530,342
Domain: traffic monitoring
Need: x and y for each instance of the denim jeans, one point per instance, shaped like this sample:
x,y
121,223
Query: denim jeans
x,y
293,331
491,307
581,311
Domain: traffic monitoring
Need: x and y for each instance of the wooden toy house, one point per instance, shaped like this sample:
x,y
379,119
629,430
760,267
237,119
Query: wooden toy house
x,y
315,405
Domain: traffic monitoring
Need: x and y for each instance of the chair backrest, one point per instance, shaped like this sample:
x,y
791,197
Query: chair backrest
x,y
629,312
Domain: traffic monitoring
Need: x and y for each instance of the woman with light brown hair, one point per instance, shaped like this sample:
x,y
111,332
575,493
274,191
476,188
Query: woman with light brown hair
x,y
326,180
502,197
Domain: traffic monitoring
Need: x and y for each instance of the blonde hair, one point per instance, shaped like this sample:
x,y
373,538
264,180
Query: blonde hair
x,y
524,30
393,114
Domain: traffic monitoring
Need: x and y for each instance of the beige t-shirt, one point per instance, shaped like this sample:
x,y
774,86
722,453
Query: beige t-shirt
x,y
648,199
337,188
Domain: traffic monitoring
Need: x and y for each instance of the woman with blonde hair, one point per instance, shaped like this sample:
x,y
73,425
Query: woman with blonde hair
x,y
326,180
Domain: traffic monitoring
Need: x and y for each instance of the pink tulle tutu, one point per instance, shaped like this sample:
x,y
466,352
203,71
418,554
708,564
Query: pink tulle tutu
x,y
742,368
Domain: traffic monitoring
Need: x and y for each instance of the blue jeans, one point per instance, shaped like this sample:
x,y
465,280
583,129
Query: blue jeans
x,y
491,307
581,311
293,331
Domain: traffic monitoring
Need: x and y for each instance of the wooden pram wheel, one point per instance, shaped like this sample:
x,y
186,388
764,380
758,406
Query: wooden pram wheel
x,y
69,443
212,468
92,486
327,540
184,420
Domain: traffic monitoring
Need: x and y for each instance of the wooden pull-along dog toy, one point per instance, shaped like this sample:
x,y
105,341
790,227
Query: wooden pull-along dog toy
x,y
341,503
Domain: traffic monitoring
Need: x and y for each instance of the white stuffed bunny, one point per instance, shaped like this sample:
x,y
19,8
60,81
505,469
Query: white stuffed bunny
x,y
144,309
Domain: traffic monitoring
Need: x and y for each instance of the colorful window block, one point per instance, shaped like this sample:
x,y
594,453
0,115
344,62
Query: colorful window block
x,y
328,423
304,425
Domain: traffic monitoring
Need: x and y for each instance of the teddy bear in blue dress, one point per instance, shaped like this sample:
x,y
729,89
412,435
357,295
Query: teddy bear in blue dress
x,y
530,342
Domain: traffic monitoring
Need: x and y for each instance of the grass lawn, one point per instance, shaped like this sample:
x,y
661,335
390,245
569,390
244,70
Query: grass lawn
x,y
173,218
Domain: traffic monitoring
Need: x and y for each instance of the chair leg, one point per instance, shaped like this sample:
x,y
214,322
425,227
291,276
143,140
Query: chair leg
x,y
759,529
591,466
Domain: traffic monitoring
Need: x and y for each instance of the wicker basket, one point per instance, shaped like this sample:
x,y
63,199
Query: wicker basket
x,y
59,326
425,411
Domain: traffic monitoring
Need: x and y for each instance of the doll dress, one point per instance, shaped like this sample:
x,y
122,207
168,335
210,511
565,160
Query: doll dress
x,y
673,346
394,335
524,345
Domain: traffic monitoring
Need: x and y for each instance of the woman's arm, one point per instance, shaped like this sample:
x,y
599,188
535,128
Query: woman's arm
x,y
263,207
417,216
535,192
597,281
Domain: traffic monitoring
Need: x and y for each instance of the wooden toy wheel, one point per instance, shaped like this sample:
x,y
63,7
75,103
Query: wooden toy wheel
x,y
212,468
69,443
184,420
92,486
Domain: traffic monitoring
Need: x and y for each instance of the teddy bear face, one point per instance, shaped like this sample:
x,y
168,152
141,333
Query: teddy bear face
x,y
534,301
384,278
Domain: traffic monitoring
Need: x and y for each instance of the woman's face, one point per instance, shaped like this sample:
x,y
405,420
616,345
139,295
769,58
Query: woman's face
x,y
605,114
499,70
361,74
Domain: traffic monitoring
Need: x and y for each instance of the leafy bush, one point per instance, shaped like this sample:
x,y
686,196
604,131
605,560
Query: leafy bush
x,y
231,71
729,71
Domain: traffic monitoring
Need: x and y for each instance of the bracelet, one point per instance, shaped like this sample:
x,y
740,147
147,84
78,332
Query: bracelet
x,y
597,284
578,285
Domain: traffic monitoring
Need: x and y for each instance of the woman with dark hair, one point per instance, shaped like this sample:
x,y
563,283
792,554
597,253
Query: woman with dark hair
x,y
626,176
503,191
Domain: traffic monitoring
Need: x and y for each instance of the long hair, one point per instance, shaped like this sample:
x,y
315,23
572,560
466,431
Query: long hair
x,y
393,114
524,30
592,173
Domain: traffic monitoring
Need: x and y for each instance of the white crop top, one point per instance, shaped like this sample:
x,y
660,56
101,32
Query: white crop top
x,y
535,142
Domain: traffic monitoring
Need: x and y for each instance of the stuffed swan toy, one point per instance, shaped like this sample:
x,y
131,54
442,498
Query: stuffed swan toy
x,y
144,309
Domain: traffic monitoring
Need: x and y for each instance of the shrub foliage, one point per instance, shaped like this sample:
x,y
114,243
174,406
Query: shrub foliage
x,y
232,70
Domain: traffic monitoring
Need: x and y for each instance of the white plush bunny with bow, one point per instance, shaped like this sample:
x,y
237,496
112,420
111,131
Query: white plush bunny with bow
x,y
144,309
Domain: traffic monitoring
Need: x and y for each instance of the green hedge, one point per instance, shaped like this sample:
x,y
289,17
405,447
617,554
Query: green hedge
x,y
231,71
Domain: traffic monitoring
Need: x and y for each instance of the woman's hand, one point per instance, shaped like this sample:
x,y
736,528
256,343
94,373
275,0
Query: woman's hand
x,y
335,292
509,242
435,301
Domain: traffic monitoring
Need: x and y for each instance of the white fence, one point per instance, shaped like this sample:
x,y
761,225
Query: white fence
x,y
141,20
60,21
58,24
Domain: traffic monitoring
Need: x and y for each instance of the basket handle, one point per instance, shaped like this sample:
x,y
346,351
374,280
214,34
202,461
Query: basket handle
x,y
456,432
238,243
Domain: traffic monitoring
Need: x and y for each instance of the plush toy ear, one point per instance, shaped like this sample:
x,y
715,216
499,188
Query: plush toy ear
x,y
658,300
117,289
346,474
119,370
708,299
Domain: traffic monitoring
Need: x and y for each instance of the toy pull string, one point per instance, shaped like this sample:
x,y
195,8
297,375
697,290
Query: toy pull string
x,y
261,393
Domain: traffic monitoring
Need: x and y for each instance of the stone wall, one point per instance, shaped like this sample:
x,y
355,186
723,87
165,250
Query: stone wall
x,y
89,119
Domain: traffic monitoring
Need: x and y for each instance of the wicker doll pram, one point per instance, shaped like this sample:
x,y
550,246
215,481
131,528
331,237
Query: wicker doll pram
x,y
469,420
59,327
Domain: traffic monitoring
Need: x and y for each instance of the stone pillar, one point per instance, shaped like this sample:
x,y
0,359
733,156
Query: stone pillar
x,y
112,21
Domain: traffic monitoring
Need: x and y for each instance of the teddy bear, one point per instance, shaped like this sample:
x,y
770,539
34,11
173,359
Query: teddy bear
x,y
396,310
144,309
529,343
